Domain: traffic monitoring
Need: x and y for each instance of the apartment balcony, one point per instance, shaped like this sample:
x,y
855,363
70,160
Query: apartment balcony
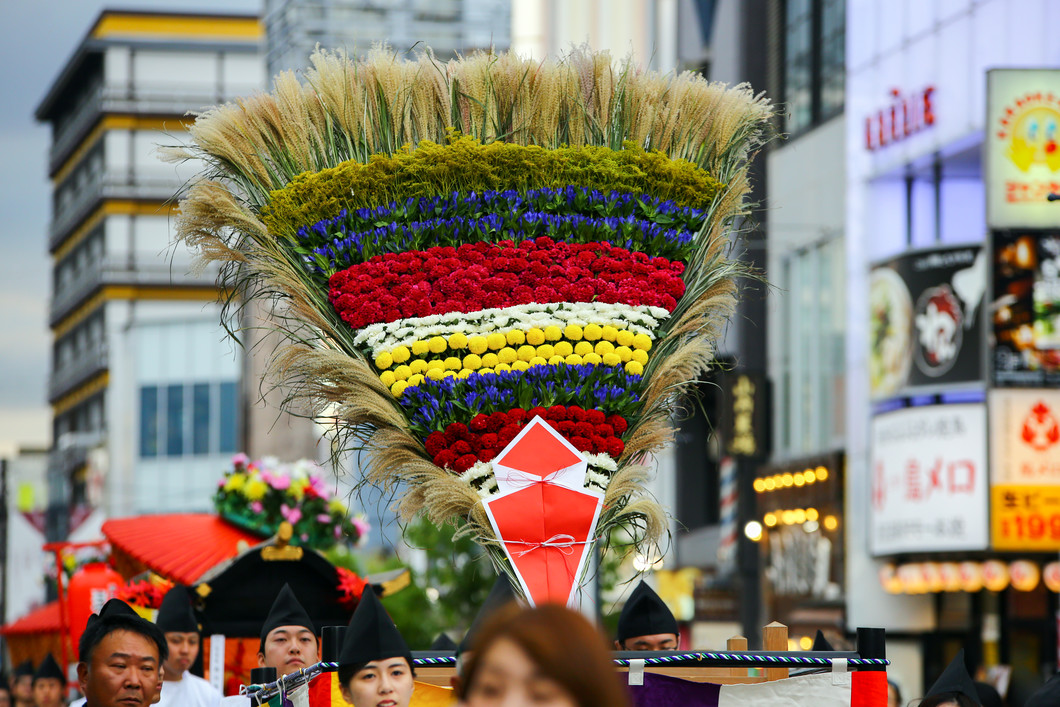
x,y
122,270
86,365
141,101
154,185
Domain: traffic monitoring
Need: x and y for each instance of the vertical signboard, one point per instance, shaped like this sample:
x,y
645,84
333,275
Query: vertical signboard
x,y
925,321
1025,469
929,481
1026,308
1022,148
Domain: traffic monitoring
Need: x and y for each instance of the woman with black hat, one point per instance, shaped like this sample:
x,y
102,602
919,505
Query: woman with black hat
x,y
375,664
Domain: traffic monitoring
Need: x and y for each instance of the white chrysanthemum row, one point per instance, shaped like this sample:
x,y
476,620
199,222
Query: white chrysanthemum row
x,y
480,474
385,336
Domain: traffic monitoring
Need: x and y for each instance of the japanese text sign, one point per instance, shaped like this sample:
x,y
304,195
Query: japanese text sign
x,y
929,486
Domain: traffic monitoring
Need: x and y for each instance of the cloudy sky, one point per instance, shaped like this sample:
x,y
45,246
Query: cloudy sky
x,y
36,40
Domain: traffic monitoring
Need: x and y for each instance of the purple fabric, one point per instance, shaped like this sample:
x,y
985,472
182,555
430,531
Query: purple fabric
x,y
666,691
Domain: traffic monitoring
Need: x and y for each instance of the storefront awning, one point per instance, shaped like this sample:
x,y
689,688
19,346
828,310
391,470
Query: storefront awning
x,y
44,619
180,547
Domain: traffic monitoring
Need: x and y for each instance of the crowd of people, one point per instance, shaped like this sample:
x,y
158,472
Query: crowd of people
x,y
548,656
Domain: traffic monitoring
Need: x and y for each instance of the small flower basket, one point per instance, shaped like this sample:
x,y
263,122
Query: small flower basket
x,y
259,495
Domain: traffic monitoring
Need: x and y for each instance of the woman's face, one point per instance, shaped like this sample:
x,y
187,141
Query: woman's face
x,y
506,676
381,683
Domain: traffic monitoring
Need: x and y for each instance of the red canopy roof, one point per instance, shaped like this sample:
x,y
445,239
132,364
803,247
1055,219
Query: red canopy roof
x,y
44,619
180,547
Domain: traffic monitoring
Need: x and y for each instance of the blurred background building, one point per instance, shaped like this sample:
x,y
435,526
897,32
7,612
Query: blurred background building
x,y
294,28
143,385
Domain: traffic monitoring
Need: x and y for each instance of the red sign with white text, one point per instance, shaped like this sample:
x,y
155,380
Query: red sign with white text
x,y
929,485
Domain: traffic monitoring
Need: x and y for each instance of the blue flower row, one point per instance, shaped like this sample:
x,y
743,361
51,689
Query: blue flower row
x,y
641,223
625,232
435,404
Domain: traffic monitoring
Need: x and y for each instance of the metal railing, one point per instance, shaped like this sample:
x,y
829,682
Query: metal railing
x,y
85,365
117,270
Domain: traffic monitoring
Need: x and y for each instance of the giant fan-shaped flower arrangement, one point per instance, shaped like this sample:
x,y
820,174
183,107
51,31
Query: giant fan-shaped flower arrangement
x,y
456,249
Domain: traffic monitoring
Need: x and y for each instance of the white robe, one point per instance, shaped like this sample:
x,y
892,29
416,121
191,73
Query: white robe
x,y
189,691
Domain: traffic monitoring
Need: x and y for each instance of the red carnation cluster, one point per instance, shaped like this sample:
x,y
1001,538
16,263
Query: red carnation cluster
x,y
144,593
460,446
351,586
483,275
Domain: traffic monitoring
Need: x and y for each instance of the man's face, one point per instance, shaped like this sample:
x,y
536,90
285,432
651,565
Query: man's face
x,y
183,650
5,697
123,671
48,692
653,642
23,688
288,649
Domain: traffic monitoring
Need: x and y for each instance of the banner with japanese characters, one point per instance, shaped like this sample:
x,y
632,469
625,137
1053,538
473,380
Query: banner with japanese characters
x,y
929,480
1025,464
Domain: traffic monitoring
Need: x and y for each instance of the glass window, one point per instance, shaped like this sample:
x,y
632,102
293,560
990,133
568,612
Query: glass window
x,y
814,61
810,405
149,421
200,418
228,417
174,420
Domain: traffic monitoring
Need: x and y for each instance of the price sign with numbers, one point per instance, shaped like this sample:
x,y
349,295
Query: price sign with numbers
x,y
1026,517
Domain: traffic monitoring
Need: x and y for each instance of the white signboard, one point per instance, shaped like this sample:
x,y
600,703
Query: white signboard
x,y
929,481
1022,147
1025,437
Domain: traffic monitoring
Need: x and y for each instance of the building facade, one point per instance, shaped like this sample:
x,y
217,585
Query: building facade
x,y
951,398
143,382
294,28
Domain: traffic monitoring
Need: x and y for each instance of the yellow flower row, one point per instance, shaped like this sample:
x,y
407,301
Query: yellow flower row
x,y
608,339
400,380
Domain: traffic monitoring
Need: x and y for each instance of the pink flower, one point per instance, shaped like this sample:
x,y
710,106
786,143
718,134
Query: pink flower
x,y
240,459
291,515
323,518
361,525
280,483
338,531
220,483
256,506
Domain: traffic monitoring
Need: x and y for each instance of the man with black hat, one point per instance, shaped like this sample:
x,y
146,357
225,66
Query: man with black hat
x,y
22,684
375,663
49,684
120,658
646,623
288,643
177,622
954,688
288,637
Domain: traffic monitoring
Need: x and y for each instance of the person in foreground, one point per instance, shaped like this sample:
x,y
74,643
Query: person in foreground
x,y
548,656
954,688
120,659
375,663
177,622
646,623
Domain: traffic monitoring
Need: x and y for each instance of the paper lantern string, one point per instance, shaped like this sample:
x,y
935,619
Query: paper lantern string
x,y
560,541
